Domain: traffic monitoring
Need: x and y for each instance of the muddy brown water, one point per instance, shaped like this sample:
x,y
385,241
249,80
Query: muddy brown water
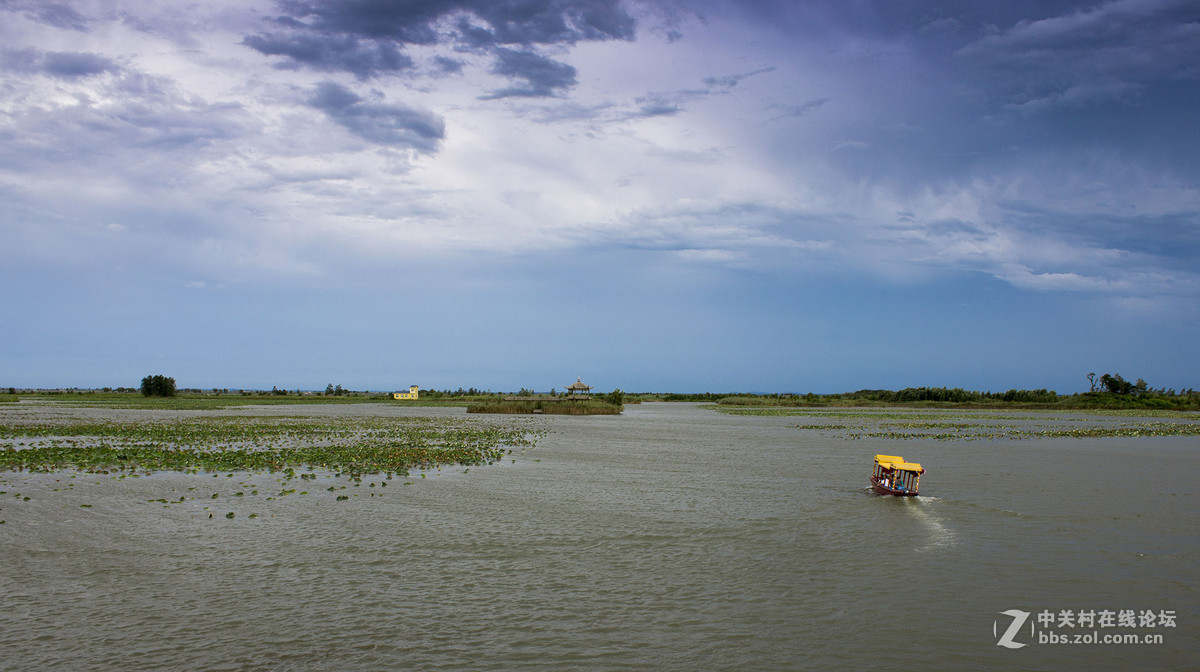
x,y
668,538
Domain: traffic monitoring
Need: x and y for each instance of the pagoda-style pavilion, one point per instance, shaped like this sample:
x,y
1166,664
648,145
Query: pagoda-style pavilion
x,y
578,386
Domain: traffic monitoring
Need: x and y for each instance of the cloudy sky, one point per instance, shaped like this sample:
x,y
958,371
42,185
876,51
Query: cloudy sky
x,y
657,195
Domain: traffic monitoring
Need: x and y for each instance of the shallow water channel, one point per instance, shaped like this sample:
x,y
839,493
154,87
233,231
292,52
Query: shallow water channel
x,y
671,537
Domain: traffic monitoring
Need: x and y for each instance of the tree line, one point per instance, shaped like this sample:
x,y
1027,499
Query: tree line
x,y
1106,390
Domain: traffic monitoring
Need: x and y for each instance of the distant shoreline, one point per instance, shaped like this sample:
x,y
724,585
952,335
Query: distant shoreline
x,y
1186,400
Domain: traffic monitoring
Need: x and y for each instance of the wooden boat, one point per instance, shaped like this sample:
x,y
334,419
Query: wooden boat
x,y
891,475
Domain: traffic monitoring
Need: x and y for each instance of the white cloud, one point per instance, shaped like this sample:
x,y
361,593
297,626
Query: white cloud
x,y
172,128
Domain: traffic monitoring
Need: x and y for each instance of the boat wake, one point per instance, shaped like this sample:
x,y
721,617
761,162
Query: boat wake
x,y
940,535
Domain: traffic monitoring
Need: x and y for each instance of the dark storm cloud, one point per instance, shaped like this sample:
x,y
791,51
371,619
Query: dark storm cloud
x,y
404,22
362,58
1109,53
393,125
71,65
366,37
59,64
541,76
554,21
522,22
656,105
49,13
447,66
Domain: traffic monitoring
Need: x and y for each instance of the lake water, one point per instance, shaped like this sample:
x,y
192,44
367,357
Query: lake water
x,y
668,538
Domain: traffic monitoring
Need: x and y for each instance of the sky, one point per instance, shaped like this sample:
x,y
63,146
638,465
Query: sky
x,y
651,195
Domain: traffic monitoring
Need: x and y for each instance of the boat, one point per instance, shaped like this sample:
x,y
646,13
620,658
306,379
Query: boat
x,y
891,475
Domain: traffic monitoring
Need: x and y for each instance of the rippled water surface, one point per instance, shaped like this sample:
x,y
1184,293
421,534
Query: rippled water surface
x,y
668,538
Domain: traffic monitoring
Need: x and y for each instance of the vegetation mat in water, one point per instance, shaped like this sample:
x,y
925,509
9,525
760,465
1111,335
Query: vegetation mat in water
x,y
980,425
211,444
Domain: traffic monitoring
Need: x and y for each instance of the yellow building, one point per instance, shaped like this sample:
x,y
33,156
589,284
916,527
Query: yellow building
x,y
413,390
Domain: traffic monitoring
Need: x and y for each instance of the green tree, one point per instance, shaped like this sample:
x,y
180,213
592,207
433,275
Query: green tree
x,y
616,397
158,386
1116,384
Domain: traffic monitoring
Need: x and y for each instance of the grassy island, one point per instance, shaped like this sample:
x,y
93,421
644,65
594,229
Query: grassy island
x,y
609,404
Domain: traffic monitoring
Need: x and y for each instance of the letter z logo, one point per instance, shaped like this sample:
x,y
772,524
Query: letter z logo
x,y
1008,639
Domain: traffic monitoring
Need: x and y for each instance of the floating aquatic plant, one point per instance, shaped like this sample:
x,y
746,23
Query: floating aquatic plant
x,y
988,426
353,446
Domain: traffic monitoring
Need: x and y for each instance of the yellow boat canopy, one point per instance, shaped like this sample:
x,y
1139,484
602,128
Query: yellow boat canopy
x,y
897,463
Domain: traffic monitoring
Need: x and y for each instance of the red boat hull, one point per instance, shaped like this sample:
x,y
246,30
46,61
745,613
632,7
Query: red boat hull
x,y
881,489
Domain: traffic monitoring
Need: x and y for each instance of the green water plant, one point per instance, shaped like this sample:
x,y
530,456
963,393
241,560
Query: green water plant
x,y
217,445
987,426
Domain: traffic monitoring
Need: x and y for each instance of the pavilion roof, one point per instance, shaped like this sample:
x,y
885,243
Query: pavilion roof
x,y
578,385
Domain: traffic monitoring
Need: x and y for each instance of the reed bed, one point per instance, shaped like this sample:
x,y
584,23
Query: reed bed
x,y
548,407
